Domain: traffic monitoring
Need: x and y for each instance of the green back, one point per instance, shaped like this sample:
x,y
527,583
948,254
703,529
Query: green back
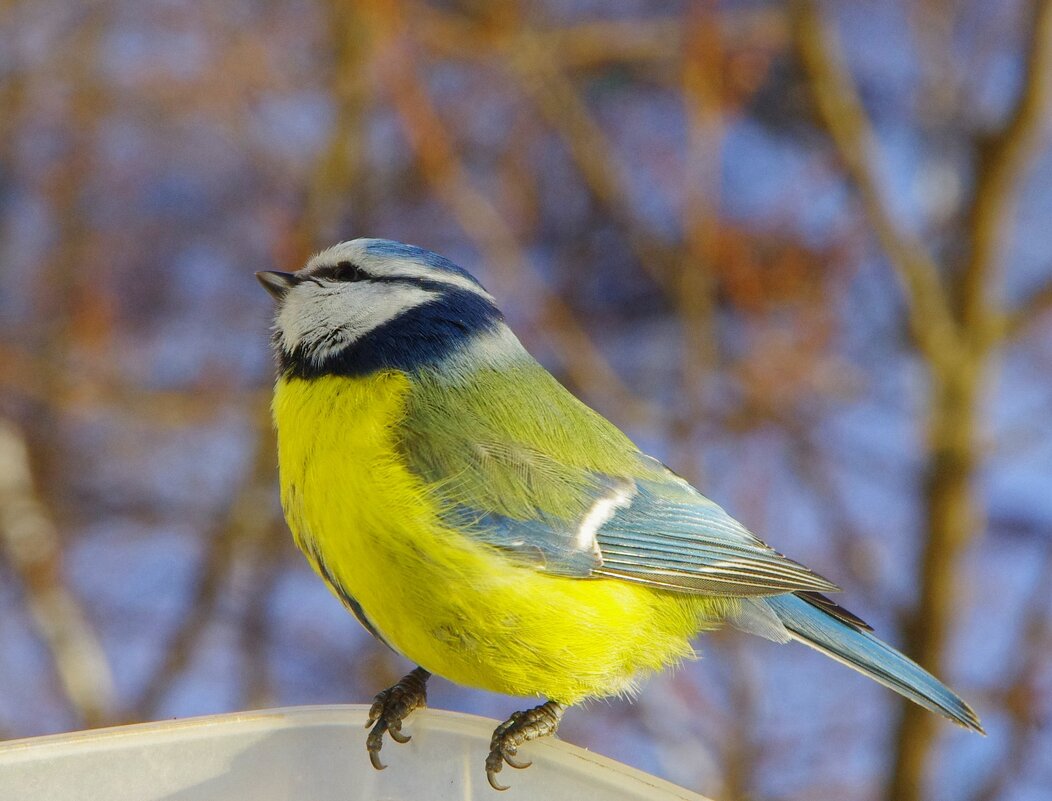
x,y
518,462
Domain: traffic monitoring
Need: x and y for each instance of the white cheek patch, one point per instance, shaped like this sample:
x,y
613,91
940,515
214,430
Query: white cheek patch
x,y
321,321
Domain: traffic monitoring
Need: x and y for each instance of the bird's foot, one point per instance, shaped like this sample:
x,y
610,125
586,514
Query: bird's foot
x,y
390,708
541,721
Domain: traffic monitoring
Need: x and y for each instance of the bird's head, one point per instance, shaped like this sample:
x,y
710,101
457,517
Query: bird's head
x,y
372,304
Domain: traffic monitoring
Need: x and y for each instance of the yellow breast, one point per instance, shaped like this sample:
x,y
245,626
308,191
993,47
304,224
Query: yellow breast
x,y
457,607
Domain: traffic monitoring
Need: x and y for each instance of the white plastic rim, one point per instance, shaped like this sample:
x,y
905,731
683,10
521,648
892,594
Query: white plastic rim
x,y
306,754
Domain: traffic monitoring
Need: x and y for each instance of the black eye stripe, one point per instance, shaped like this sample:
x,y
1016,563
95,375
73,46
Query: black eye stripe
x,y
342,271
347,272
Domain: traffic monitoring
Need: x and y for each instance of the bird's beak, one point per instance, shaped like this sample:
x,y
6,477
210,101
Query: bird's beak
x,y
277,284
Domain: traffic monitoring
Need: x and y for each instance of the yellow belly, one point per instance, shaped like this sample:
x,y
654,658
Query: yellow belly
x,y
456,607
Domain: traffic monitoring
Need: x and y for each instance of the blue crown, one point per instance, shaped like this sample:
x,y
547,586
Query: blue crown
x,y
389,248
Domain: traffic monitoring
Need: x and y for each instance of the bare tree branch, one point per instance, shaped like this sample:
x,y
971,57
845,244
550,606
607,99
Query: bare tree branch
x,y
848,124
26,375
602,169
263,550
338,176
585,45
957,370
248,514
1002,159
30,543
694,290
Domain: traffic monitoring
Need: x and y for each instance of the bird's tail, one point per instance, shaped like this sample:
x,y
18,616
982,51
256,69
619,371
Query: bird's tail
x,y
821,624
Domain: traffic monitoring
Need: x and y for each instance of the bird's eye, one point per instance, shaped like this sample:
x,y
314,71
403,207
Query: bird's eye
x,y
347,271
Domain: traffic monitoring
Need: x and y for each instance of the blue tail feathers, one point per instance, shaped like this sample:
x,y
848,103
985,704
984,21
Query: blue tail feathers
x,y
857,648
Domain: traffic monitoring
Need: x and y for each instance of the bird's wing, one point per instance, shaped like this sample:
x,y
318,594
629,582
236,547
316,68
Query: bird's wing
x,y
516,461
668,534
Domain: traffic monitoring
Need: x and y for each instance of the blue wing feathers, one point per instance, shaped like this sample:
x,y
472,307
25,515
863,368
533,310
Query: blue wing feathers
x,y
862,651
673,536
668,535
529,541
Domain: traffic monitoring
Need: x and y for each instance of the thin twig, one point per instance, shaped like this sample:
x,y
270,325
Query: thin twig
x,y
1032,311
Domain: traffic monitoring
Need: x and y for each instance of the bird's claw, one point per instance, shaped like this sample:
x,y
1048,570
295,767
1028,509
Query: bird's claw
x,y
395,730
521,727
515,763
392,706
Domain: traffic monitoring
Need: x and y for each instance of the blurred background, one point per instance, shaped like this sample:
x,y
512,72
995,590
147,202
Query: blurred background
x,y
801,253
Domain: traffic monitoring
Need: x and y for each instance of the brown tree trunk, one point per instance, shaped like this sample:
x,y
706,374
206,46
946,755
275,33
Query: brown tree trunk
x,y
953,520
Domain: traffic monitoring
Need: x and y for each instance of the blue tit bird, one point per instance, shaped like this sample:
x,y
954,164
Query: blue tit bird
x,y
490,527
